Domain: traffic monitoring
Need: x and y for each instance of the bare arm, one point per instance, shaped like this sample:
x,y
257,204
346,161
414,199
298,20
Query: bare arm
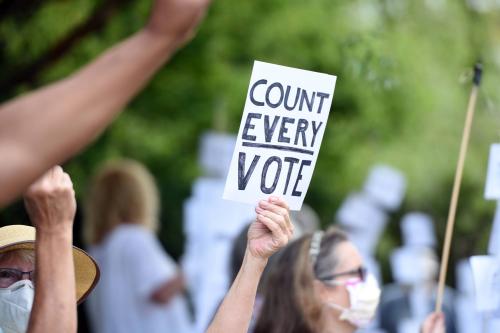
x,y
51,205
271,231
168,290
235,312
49,125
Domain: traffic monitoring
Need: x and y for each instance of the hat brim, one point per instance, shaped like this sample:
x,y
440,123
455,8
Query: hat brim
x,y
87,272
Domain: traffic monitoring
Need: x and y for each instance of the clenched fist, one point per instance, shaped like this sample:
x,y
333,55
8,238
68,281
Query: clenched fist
x,y
177,19
272,229
50,201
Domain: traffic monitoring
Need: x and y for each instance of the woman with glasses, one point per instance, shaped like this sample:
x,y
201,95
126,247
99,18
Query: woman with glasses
x,y
318,284
42,276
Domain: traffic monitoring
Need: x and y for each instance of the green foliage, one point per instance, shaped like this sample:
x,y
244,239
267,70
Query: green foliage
x,y
399,98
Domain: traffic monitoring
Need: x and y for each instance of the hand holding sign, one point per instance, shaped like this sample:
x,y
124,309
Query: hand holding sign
x,y
280,134
272,228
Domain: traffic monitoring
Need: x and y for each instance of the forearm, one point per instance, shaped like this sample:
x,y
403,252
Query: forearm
x,y
54,307
235,312
45,127
168,290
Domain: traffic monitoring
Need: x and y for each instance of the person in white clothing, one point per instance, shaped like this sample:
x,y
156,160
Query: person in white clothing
x,y
141,286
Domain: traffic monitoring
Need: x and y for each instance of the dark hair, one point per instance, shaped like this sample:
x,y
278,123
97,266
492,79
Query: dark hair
x,y
290,305
238,249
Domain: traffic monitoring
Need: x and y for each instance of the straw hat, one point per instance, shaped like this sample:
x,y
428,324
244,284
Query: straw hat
x,y
14,237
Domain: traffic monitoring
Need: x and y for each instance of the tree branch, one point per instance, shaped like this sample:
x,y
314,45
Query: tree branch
x,y
29,73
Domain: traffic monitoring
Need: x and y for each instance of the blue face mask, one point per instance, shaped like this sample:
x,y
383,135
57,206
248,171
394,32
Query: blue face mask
x,y
15,306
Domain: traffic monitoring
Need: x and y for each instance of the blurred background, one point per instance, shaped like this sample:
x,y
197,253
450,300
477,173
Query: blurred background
x,y
403,68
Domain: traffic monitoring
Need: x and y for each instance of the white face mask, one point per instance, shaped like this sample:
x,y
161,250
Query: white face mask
x,y
15,306
364,297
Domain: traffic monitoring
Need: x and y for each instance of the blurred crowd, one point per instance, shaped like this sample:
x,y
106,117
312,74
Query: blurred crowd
x,y
257,269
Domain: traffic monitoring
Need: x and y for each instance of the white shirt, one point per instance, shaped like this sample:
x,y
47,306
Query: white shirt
x,y
133,264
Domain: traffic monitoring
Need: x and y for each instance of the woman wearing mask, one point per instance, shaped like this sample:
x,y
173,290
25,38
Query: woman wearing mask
x,y
318,284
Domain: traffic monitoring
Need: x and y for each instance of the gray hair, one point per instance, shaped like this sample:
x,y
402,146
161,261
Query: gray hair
x,y
25,255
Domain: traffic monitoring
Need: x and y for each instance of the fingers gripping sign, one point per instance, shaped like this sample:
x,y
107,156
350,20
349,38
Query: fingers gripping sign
x,y
272,228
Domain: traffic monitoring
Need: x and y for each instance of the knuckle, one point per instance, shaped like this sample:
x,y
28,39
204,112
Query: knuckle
x,y
283,211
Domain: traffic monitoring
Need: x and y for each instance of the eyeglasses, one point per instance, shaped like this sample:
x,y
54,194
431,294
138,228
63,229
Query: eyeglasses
x,y
9,276
359,272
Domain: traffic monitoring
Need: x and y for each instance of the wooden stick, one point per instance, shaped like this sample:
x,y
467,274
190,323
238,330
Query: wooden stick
x,y
456,187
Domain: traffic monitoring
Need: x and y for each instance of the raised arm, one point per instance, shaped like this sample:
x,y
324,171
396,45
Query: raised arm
x,y
45,127
51,206
271,231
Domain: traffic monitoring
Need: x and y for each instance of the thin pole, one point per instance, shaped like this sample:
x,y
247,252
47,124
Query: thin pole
x,y
456,186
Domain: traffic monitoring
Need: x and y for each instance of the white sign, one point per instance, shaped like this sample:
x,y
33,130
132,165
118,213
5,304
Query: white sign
x,y
387,186
413,265
285,116
486,273
216,150
494,243
492,190
358,212
418,230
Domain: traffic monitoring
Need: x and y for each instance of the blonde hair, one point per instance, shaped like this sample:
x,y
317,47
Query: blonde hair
x,y
122,191
25,255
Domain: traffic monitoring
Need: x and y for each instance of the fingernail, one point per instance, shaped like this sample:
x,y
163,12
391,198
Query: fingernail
x,y
263,203
273,199
258,210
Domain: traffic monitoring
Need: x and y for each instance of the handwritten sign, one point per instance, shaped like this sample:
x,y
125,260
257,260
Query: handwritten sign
x,y
492,191
281,130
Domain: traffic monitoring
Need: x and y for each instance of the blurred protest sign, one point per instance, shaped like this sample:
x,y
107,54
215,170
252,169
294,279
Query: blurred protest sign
x,y
215,153
363,220
418,230
492,191
486,273
494,244
467,317
280,134
464,278
359,212
413,265
386,186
